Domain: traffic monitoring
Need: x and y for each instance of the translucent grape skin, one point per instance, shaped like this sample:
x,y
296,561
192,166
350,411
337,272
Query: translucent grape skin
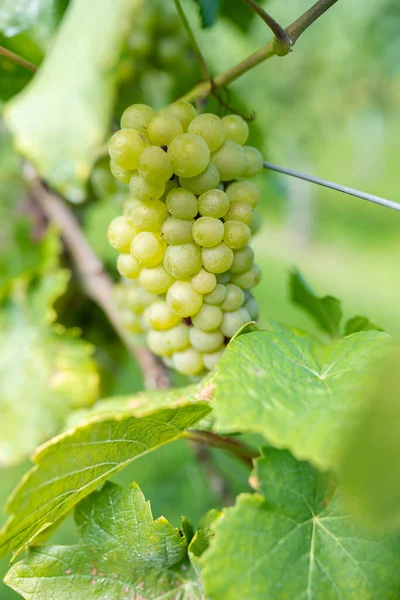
x,y
254,162
119,173
148,248
236,129
211,359
183,299
237,234
214,203
181,204
204,282
224,277
137,116
243,260
183,262
230,160
160,316
240,211
210,128
154,165
208,232
177,231
234,297
205,181
249,279
217,296
252,308
146,216
205,341
144,190
125,147
162,129
155,279
244,191
189,155
183,111
217,259
128,266
188,362
232,321
208,318
120,234
165,343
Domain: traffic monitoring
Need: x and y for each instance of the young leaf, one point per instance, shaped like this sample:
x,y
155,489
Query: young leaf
x,y
45,370
297,543
202,539
208,11
62,99
72,465
297,393
325,311
123,553
360,324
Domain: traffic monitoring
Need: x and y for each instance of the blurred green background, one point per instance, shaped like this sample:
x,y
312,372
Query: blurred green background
x,y
330,108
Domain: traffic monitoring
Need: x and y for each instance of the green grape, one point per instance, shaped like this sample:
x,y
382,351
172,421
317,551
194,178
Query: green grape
x,y
102,181
119,173
120,234
137,116
243,260
183,111
131,322
207,180
244,191
188,362
204,282
128,266
155,279
182,204
217,259
183,299
249,279
252,308
234,297
169,186
125,147
208,318
211,359
155,165
159,315
145,298
224,277
205,341
240,211
148,248
210,128
254,162
214,203
146,216
184,261
177,231
230,160
255,225
236,129
233,321
165,343
162,129
144,190
217,296
129,296
208,232
237,234
189,155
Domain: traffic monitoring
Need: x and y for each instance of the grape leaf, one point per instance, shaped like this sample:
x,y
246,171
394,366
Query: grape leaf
x,y
370,467
202,539
325,311
299,394
45,370
297,543
62,100
122,553
360,324
72,465
208,11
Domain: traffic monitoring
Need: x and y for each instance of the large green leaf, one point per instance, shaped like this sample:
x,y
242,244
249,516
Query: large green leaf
x,y
122,553
60,120
72,465
45,370
299,394
325,311
297,543
371,464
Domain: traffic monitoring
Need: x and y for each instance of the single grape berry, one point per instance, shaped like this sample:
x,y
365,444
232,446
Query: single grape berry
x,y
230,160
125,147
189,155
236,129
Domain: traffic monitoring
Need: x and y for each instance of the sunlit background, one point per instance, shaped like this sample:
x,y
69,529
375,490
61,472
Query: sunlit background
x,y
330,108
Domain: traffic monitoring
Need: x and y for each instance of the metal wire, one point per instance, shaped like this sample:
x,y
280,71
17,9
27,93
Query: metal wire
x,y
334,186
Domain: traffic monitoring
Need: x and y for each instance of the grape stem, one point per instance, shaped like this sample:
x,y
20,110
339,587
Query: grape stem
x,y
276,47
235,447
96,282
18,59
276,29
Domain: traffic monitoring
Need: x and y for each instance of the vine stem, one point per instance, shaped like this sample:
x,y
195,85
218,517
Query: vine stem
x,y
237,448
18,59
274,48
96,282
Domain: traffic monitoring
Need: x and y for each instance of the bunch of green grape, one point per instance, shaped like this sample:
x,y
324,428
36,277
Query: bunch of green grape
x,y
184,234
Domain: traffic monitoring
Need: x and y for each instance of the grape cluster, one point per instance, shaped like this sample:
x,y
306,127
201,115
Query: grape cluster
x,y
184,234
